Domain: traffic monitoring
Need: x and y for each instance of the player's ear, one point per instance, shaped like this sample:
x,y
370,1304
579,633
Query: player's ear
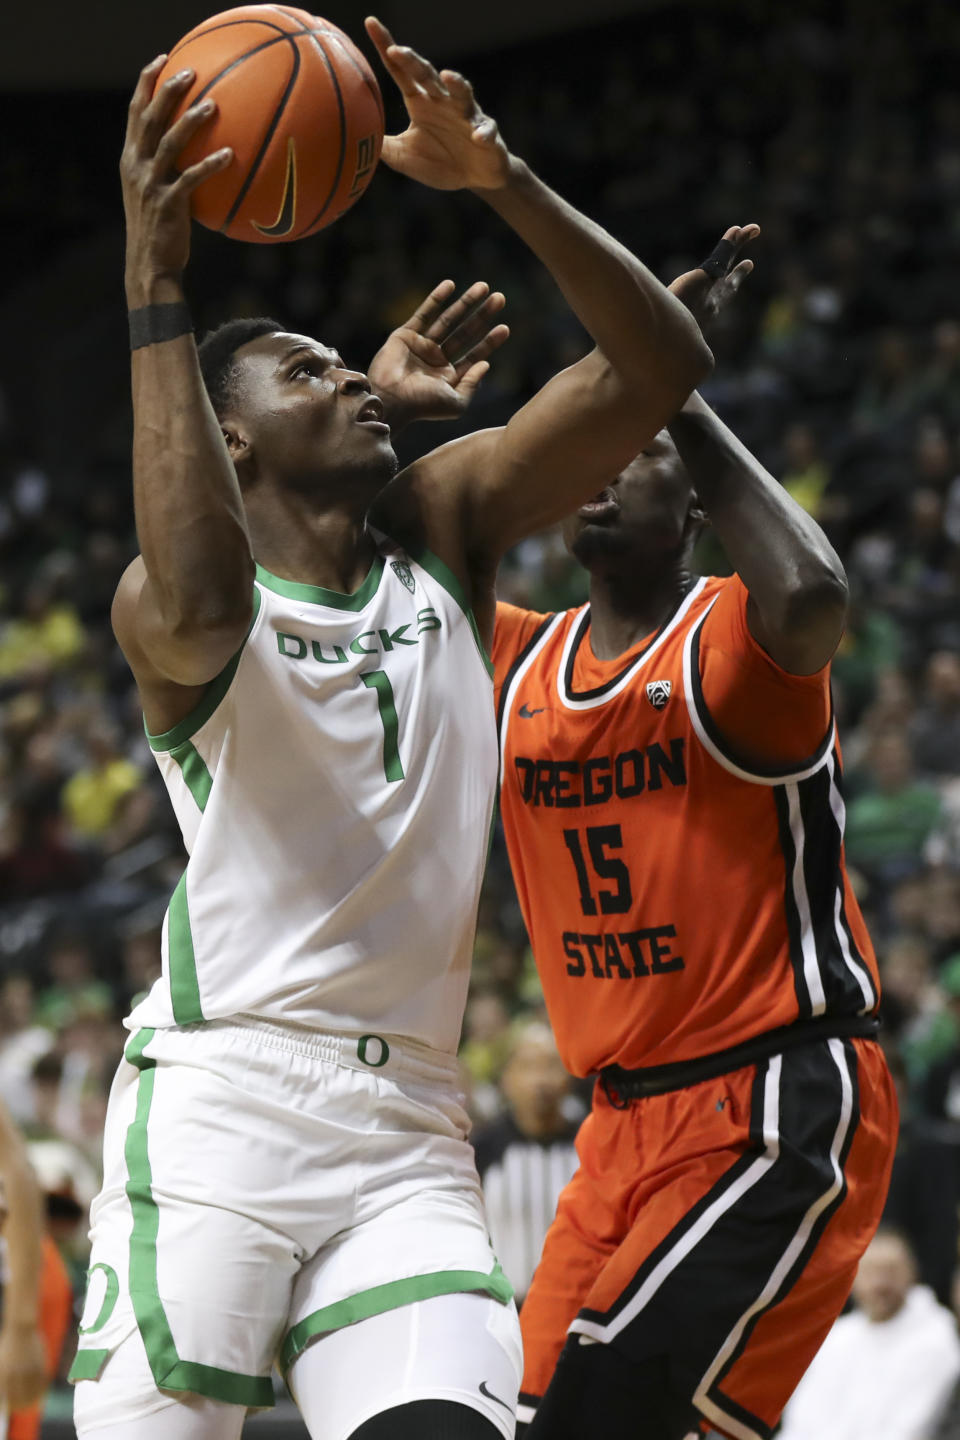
x,y
238,442
697,517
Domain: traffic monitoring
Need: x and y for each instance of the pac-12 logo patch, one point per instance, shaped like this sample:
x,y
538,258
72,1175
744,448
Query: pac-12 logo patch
x,y
658,693
403,572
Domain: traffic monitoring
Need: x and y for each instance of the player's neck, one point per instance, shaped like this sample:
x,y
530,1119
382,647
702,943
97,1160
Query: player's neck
x,y
331,549
625,607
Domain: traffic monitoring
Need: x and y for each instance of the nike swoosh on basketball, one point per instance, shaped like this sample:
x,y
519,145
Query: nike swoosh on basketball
x,y
527,714
490,1396
288,205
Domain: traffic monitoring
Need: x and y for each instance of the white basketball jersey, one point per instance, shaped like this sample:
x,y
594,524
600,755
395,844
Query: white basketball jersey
x,y
335,790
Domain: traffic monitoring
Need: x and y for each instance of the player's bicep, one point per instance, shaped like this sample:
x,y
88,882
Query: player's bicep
x,y
571,439
171,674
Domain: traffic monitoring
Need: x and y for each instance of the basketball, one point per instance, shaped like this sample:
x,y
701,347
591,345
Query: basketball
x,y
301,109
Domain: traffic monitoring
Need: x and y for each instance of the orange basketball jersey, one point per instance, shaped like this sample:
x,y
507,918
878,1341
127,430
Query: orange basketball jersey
x,y
679,900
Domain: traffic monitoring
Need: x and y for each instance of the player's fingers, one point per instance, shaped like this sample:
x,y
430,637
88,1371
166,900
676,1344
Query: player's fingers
x,y
418,72
739,273
394,58
483,349
453,315
474,327
180,132
195,175
430,308
426,350
379,34
468,383
485,132
143,90
158,112
460,90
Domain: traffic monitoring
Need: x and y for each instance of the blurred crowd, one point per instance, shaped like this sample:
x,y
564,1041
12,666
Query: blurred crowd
x,y
839,366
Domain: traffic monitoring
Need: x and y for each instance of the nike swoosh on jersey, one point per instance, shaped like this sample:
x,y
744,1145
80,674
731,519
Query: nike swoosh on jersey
x,y
490,1396
286,218
527,714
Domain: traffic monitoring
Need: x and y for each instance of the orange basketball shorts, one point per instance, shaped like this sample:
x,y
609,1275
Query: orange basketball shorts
x,y
718,1228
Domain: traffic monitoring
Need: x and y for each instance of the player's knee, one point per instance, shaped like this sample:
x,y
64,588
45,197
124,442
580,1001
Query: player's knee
x,y
595,1388
428,1420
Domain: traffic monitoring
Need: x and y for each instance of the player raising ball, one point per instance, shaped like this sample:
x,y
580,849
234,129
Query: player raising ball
x,y
287,1175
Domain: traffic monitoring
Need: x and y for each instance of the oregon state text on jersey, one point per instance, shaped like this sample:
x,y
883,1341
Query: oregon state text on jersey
x,y
677,902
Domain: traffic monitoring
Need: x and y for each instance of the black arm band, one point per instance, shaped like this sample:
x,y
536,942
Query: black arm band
x,y
152,324
717,262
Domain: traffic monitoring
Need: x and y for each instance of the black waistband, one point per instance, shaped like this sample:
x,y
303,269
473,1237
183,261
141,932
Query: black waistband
x,y
621,1086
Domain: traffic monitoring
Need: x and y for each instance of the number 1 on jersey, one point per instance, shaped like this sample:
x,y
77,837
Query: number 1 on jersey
x,y
379,680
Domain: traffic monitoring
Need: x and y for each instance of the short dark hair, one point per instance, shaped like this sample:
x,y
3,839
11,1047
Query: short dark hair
x,y
218,350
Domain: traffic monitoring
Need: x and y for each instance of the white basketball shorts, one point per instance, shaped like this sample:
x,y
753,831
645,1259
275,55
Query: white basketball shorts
x,y
264,1186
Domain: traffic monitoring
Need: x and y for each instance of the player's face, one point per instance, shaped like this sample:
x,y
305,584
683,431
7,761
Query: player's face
x,y
310,420
646,510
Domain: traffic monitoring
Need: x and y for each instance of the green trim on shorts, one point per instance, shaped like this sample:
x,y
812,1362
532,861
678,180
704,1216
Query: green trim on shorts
x,y
391,1296
87,1365
169,1371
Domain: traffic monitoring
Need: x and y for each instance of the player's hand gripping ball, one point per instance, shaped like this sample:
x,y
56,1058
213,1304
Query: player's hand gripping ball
x,y
299,106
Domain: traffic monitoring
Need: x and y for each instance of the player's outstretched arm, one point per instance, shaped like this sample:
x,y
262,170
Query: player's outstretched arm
x,y
23,1361
798,590
588,422
184,608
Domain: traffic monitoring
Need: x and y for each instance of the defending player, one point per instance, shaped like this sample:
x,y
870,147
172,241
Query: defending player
x,y
672,797
286,1169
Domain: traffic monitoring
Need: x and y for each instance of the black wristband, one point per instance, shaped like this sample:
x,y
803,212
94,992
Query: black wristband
x,y
717,262
152,324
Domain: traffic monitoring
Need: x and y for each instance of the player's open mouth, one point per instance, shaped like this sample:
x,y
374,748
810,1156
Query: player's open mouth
x,y
602,508
371,414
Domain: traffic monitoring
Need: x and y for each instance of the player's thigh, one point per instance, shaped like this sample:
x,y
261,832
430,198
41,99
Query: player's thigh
x,y
462,1348
130,1407
586,1231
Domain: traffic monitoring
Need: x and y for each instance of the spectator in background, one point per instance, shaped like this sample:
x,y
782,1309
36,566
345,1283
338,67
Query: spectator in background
x,y
45,635
939,1091
890,819
106,801
935,728
526,1157
805,474
886,1370
916,1012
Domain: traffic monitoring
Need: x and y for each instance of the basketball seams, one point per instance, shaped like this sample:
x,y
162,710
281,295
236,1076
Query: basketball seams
x,y
268,136
238,60
338,94
199,34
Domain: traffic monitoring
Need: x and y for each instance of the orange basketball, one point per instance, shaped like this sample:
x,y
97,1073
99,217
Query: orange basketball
x,y
299,106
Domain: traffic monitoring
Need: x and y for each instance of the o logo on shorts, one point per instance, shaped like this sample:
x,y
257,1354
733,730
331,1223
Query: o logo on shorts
x,y
109,1299
382,1052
